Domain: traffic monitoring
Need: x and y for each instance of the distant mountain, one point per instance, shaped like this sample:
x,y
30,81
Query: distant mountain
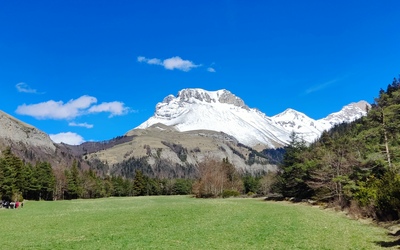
x,y
194,109
348,114
293,121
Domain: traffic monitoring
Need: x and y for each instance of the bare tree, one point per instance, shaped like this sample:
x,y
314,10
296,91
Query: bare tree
x,y
215,177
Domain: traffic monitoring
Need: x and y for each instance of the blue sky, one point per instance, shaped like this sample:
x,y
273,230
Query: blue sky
x,y
97,69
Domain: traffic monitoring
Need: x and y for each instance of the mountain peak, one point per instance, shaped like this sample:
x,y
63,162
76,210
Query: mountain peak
x,y
289,111
290,114
196,95
363,105
348,113
193,95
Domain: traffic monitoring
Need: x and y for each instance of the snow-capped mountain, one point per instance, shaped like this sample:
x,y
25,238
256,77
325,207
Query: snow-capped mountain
x,y
195,109
294,121
348,113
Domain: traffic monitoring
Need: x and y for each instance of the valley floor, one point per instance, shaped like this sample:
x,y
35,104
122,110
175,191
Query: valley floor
x,y
182,222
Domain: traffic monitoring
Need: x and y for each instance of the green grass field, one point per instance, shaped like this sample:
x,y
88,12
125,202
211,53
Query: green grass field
x,y
181,222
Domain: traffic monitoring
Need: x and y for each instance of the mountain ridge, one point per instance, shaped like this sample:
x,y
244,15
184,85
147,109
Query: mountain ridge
x,y
221,110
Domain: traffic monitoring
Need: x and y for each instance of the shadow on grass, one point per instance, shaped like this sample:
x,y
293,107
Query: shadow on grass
x,y
390,243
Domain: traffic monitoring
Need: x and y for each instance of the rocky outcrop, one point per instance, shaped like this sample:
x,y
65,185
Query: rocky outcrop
x,y
33,145
12,129
229,98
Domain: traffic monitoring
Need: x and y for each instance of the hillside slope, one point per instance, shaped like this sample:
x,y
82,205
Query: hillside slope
x,y
165,152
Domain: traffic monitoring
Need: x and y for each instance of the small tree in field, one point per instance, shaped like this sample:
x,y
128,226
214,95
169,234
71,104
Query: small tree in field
x,y
267,183
215,177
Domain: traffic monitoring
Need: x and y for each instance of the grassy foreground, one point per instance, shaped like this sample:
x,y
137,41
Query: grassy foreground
x,y
181,222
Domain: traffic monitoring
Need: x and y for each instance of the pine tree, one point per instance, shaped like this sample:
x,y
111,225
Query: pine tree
x,y
292,179
8,188
74,186
46,180
139,184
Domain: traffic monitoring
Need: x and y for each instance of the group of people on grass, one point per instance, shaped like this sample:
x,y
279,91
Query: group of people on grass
x,y
12,205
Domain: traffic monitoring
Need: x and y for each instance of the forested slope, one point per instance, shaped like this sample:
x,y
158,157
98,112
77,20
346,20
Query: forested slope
x,y
354,165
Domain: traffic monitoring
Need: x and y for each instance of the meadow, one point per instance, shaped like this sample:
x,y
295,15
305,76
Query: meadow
x,y
182,222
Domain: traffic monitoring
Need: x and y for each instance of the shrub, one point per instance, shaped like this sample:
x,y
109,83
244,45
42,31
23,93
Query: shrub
x,y
250,194
182,186
230,193
388,197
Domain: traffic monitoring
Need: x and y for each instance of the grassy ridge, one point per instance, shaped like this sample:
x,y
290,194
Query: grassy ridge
x,y
180,222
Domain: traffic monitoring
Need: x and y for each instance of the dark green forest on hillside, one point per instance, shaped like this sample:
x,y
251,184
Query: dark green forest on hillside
x,y
19,180
355,165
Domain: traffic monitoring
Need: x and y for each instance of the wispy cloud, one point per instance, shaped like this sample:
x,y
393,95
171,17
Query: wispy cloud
x,y
320,86
212,70
68,138
154,61
24,88
114,108
84,125
171,63
82,106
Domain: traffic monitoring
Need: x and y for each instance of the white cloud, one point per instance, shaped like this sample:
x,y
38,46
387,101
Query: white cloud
x,y
67,138
212,70
154,61
72,109
171,63
114,108
57,110
141,59
24,88
177,63
85,125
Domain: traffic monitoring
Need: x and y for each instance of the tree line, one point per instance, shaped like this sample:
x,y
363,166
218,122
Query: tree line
x,y
355,166
20,180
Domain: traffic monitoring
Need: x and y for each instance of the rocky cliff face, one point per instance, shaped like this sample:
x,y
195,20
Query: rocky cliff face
x,y
200,95
33,145
17,131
